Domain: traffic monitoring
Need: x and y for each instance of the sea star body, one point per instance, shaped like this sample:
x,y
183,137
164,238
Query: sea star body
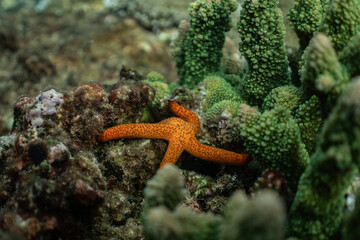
x,y
180,132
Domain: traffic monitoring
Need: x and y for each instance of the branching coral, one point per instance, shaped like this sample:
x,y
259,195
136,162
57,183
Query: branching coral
x,y
224,109
164,219
201,49
322,73
350,56
274,137
261,31
305,18
318,206
323,79
308,118
262,217
158,82
164,189
217,90
287,96
341,22
282,130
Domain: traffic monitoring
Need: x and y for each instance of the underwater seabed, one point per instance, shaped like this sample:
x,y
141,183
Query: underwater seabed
x,y
225,86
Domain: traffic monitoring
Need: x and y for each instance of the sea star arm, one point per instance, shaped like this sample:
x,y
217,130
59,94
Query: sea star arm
x,y
197,149
137,130
172,154
185,114
181,136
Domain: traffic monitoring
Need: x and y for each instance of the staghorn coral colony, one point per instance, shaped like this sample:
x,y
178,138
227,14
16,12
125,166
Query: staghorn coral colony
x,y
298,118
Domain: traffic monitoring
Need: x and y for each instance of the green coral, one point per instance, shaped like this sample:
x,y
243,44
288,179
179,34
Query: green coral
x,y
287,96
164,219
152,77
218,89
199,52
338,19
221,98
307,114
317,210
225,108
350,56
157,81
322,73
262,217
183,223
309,119
165,189
261,32
236,82
274,137
281,128
341,22
305,18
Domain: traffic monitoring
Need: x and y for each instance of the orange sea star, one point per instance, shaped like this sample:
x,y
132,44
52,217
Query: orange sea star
x,y
181,134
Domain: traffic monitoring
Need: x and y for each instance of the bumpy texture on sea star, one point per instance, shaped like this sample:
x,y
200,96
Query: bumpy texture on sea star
x,y
180,132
